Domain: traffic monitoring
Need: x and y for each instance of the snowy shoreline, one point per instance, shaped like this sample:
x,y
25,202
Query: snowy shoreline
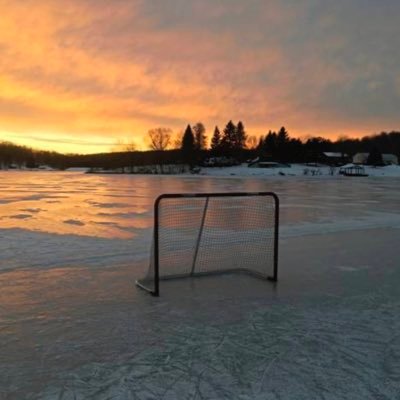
x,y
294,170
297,170
242,171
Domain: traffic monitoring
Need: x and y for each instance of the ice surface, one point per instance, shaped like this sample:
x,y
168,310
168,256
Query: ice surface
x,y
73,325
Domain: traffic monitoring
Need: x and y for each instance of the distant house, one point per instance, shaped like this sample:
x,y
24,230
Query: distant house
x,y
388,159
335,159
360,158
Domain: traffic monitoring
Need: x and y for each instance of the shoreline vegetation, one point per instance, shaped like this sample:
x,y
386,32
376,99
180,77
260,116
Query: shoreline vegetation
x,y
227,150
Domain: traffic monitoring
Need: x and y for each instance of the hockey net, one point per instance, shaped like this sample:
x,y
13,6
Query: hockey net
x,y
204,234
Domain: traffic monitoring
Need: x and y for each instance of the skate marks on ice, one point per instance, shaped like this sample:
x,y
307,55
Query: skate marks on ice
x,y
340,349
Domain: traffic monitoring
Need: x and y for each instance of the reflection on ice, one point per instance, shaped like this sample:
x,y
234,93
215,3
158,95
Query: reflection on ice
x,y
81,200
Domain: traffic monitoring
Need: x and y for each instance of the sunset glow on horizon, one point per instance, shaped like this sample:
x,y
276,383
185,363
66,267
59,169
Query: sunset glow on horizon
x,y
82,75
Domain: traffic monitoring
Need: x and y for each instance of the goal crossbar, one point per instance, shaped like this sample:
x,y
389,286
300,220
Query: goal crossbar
x,y
224,213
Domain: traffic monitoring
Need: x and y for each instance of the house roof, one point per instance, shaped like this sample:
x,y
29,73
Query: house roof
x,y
389,157
334,155
384,155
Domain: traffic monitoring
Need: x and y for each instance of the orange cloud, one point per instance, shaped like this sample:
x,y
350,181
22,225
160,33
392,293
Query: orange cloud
x,y
81,75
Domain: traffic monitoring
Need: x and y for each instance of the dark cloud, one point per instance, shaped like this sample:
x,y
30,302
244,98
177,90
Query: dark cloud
x,y
63,141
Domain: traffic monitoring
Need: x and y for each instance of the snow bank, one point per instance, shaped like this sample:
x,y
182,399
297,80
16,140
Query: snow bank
x,y
296,170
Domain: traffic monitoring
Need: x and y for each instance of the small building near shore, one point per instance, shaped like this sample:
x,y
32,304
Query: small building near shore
x,y
334,159
387,158
352,170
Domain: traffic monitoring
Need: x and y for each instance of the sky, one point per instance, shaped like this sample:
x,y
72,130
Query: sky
x,y
83,75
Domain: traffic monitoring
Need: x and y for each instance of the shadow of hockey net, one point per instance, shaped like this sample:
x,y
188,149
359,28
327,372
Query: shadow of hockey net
x,y
205,234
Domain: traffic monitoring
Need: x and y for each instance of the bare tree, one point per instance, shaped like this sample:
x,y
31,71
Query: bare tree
x,y
177,140
251,142
122,146
200,139
129,148
160,138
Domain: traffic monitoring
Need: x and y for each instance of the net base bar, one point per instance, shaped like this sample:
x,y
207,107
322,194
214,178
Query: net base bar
x,y
145,284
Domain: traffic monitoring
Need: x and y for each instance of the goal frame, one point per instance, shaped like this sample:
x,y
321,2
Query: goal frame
x,y
273,278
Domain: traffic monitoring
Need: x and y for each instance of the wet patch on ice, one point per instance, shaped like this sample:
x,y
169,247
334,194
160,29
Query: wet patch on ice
x,y
37,197
107,223
32,198
74,222
106,205
21,216
123,215
33,210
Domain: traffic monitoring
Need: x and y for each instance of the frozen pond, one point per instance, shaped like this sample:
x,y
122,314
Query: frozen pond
x,y
73,325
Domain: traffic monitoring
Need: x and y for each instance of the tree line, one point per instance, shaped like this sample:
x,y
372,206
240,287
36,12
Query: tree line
x,y
234,142
192,147
13,155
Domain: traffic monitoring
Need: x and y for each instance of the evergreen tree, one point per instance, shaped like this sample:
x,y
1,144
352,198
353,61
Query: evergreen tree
x,y
228,139
216,141
283,137
282,142
375,157
260,145
314,147
188,146
295,151
240,137
269,146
